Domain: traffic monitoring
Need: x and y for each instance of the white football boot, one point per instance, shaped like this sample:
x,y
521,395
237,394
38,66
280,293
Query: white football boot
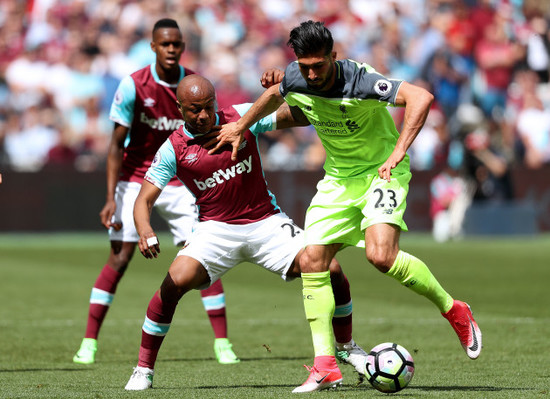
x,y
141,379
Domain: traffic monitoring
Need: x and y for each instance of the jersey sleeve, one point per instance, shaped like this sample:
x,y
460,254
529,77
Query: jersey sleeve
x,y
163,167
122,108
287,78
266,124
374,85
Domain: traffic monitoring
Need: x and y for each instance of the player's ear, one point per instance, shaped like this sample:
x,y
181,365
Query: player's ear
x,y
333,55
153,47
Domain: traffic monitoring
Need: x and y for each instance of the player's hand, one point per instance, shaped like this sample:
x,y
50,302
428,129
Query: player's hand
x,y
228,134
271,76
212,135
384,171
106,215
149,245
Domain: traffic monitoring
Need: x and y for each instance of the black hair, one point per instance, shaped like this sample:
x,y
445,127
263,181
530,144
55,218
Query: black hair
x,y
309,38
165,23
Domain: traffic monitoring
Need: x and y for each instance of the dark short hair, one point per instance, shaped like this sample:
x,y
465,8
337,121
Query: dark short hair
x,y
165,23
310,37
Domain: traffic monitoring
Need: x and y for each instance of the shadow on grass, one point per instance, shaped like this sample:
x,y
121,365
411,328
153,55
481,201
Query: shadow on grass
x,y
246,359
467,388
350,388
42,369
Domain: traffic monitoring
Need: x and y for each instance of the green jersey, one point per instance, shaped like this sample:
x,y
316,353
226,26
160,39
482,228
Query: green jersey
x,y
351,119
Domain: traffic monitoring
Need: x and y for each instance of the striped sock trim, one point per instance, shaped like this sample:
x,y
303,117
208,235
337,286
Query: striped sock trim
x,y
153,328
214,302
343,310
101,297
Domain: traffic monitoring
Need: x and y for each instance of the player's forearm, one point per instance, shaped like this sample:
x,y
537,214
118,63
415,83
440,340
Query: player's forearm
x,y
115,156
114,164
266,104
286,118
142,216
143,206
416,113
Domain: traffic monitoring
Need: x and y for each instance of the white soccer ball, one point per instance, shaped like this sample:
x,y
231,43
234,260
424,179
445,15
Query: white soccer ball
x,y
390,367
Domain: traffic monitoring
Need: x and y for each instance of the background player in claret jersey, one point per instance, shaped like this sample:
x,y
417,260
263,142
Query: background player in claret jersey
x,y
239,221
362,198
145,114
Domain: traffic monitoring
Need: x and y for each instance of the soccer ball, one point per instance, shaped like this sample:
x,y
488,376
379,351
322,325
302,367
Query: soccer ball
x,y
390,367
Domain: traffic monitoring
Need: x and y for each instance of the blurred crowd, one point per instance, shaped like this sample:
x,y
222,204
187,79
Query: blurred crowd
x,y
486,61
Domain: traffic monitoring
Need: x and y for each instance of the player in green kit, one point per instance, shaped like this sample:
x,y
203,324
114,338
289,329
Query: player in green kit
x,y
362,198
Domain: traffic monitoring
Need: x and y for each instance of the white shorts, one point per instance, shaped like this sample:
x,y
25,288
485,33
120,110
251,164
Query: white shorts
x,y
271,243
176,205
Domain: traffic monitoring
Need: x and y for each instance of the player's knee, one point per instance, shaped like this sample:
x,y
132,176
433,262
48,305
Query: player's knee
x,y
310,262
119,263
171,289
381,257
120,256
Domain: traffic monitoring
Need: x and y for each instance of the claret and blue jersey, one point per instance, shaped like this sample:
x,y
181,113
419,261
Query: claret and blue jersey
x,y
225,190
146,105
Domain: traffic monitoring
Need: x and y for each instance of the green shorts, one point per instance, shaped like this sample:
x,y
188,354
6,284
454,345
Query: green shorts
x,y
343,208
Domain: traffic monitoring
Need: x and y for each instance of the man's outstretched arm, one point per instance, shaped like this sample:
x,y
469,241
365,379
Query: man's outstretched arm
x,y
232,133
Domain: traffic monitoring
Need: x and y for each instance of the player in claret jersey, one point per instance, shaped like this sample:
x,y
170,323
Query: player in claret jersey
x,y
145,114
239,221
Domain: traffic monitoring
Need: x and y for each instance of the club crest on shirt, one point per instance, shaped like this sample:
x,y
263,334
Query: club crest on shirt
x,y
343,110
382,87
191,158
149,102
118,97
156,159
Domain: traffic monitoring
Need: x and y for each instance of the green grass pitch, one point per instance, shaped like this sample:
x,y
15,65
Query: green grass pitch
x,y
45,282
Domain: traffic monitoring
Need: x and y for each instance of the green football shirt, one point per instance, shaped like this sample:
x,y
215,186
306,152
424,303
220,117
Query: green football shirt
x,y
351,119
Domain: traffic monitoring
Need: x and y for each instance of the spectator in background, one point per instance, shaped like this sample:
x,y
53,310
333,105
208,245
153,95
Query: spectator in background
x,y
284,154
496,56
486,166
537,42
30,136
447,74
63,153
429,148
450,196
533,123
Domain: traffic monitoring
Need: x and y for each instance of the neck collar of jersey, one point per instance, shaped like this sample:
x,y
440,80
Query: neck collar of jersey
x,y
162,82
189,134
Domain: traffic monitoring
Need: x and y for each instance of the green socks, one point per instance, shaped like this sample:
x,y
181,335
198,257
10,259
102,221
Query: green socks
x,y
414,274
319,307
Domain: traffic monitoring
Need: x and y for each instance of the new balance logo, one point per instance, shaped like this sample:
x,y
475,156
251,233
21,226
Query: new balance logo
x,y
162,123
221,176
